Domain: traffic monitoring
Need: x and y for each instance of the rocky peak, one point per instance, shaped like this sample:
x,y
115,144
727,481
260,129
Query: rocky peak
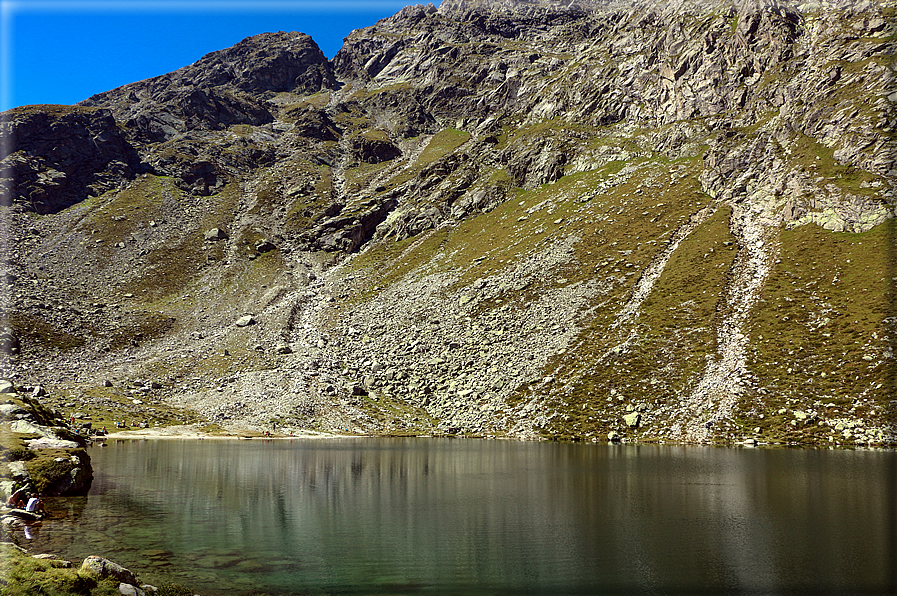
x,y
264,64
515,6
225,87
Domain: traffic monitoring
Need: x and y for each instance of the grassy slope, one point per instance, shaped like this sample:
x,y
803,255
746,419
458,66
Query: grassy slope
x,y
23,575
827,322
619,230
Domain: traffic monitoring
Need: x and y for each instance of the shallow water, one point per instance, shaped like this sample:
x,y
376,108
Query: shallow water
x,y
441,516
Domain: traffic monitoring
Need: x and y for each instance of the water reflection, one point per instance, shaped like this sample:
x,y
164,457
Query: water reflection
x,y
443,516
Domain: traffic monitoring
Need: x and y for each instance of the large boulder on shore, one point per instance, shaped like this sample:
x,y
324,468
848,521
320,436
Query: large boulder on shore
x,y
103,568
65,472
39,449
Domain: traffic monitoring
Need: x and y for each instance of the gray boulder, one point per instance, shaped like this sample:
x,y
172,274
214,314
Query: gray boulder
x,y
130,590
264,246
103,568
9,525
27,427
11,411
215,234
49,443
9,341
246,321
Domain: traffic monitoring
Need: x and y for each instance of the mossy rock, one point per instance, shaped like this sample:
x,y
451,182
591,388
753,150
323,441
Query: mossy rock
x,y
61,472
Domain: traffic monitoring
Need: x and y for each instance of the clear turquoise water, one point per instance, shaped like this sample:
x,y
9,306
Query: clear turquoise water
x,y
440,516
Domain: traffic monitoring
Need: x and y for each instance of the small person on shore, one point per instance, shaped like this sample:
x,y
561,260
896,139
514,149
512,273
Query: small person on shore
x,y
15,500
35,505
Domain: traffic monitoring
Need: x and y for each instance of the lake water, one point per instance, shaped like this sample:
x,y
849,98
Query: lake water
x,y
442,516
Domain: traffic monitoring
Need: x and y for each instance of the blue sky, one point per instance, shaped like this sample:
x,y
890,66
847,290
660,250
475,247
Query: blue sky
x,y
64,51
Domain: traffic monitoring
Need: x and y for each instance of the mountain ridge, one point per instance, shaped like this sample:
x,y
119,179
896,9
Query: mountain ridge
x,y
587,220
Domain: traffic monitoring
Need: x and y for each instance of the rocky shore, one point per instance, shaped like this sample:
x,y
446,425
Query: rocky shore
x,y
42,454
95,575
41,451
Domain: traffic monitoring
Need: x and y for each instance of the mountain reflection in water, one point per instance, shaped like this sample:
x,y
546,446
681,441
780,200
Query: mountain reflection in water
x,y
440,516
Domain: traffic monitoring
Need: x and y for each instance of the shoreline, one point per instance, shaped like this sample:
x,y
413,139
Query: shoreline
x,y
191,432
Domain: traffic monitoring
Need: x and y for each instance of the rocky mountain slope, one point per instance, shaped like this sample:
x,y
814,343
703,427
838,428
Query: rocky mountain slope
x,y
653,221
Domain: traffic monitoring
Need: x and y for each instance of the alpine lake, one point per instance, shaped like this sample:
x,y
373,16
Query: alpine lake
x,y
462,516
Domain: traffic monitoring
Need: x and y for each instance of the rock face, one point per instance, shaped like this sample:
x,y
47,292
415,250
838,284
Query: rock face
x,y
531,218
61,155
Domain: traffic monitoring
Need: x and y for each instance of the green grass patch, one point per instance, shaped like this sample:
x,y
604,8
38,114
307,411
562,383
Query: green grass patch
x,y
45,471
359,176
825,321
293,105
808,155
119,214
241,130
674,334
310,204
441,144
125,216
21,575
109,405
32,329
391,261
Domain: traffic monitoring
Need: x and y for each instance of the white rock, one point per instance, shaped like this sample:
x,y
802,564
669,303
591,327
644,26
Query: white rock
x,y
49,443
27,428
245,321
129,590
9,411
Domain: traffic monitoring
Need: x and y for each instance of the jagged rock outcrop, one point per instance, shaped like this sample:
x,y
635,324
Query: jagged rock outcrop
x,y
39,451
223,88
533,218
55,156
